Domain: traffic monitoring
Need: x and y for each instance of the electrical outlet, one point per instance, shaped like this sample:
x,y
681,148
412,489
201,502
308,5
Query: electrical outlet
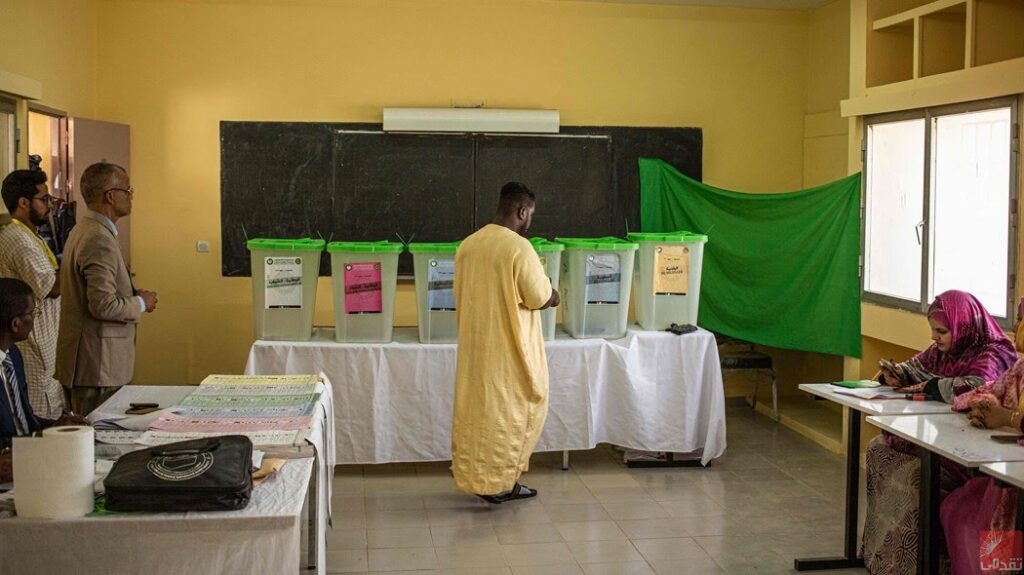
x,y
203,247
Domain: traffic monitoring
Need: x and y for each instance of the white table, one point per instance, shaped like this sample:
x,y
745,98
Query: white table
x,y
264,537
1010,473
948,435
651,391
853,407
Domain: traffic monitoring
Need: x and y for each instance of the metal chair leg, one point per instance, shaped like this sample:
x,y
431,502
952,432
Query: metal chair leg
x,y
775,398
753,398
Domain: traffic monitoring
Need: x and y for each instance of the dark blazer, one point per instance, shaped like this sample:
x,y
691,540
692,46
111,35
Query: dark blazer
x,y
6,410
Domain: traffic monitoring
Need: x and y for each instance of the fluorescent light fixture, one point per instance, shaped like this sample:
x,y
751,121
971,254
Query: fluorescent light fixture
x,y
470,120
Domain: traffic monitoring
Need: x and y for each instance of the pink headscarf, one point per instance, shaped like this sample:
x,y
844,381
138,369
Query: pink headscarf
x,y
978,346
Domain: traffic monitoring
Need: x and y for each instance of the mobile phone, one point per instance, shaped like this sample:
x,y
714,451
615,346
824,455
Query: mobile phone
x,y
142,405
1000,438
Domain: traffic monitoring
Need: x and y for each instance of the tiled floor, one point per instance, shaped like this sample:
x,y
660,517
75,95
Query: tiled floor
x,y
772,497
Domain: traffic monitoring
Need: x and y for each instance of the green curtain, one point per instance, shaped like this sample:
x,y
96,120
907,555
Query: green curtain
x,y
779,269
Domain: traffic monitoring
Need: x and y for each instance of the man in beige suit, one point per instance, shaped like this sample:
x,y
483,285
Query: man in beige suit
x,y
100,307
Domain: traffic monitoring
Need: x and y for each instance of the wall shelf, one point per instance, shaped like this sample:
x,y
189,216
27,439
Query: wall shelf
x,y
908,40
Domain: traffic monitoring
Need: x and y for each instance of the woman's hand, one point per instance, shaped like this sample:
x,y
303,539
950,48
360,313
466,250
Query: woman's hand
x,y
990,415
889,377
915,388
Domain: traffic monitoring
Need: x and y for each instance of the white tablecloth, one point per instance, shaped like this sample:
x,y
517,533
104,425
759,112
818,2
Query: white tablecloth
x,y
262,538
652,391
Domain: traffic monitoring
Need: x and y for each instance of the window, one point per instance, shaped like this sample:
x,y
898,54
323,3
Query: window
x,y
940,197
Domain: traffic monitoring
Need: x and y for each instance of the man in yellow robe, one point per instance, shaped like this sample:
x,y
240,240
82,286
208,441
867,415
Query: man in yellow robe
x,y
501,375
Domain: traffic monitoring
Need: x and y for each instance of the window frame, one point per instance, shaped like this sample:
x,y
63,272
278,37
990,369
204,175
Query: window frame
x,y
927,259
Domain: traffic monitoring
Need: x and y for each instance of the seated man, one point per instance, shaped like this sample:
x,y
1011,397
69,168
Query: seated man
x,y
17,306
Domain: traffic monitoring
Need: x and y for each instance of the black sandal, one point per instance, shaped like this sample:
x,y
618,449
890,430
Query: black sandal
x,y
517,492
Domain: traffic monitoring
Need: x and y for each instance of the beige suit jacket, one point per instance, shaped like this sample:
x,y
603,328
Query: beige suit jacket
x,y
99,311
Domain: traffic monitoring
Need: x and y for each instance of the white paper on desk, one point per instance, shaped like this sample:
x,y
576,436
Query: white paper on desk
x,y
117,436
129,422
880,392
269,437
221,379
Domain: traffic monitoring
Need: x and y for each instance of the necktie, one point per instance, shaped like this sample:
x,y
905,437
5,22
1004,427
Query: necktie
x,y
20,421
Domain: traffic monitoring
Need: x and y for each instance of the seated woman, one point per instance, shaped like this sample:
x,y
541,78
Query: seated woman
x,y
981,505
969,349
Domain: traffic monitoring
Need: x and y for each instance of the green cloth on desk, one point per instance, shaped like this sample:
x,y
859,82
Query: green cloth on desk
x,y
779,269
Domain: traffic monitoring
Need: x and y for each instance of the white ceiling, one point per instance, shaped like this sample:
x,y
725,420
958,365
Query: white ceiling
x,y
763,4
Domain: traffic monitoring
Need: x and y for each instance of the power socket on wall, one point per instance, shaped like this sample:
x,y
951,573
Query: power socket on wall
x,y
203,246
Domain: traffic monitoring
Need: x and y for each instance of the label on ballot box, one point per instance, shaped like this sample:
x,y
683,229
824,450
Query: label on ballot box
x,y
363,288
603,278
283,287
441,285
671,270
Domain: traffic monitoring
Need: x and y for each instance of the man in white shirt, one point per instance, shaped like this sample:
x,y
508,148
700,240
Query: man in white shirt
x,y
25,256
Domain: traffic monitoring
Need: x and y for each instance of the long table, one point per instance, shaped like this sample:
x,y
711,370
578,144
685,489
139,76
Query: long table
x,y
651,391
853,408
948,435
265,537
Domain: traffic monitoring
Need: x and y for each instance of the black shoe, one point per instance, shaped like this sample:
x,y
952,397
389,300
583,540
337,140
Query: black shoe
x,y
517,492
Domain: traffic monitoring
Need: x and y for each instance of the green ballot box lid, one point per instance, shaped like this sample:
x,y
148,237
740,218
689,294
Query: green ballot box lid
x,y
440,248
382,246
298,245
601,244
543,245
680,237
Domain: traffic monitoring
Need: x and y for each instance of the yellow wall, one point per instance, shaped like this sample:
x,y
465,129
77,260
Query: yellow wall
x,y
54,43
825,130
174,70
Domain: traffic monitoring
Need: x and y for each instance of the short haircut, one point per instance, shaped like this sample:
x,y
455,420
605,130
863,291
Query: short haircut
x,y
14,297
513,196
98,178
20,184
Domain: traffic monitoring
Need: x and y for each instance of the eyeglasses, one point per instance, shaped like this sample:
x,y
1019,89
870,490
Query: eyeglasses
x,y
129,191
47,199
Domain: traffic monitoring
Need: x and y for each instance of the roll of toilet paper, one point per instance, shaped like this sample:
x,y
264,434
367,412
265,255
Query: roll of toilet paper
x,y
53,474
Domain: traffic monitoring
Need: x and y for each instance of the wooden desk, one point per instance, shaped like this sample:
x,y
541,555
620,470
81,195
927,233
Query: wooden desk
x,y
942,435
853,407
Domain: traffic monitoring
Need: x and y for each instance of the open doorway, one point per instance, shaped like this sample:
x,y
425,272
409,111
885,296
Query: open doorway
x,y
48,151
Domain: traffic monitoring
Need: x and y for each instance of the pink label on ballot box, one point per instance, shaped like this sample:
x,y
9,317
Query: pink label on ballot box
x,y
362,288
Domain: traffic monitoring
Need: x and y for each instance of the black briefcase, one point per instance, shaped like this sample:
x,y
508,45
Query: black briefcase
x,y
210,474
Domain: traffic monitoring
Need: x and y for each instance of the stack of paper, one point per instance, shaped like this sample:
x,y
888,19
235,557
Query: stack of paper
x,y
269,409
880,392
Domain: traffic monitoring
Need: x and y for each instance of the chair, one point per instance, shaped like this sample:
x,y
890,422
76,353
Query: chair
x,y
737,355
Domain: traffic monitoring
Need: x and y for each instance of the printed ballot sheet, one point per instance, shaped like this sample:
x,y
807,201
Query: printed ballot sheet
x,y
269,409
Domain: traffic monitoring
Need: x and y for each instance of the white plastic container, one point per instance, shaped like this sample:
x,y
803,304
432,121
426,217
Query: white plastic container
x,y
284,276
666,281
597,275
365,275
551,256
434,268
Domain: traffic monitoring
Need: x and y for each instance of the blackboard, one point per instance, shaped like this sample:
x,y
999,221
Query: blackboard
x,y
352,182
